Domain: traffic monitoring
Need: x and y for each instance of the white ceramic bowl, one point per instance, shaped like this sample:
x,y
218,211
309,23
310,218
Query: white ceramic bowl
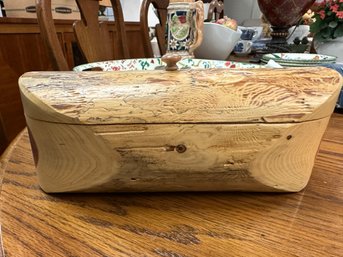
x,y
218,42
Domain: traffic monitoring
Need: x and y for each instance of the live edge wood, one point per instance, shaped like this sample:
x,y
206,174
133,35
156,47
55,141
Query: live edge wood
x,y
304,224
256,130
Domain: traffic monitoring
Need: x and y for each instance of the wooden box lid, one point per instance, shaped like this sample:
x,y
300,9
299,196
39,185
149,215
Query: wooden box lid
x,y
186,96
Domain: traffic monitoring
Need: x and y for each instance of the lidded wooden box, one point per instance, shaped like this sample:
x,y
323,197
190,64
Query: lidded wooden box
x,y
213,129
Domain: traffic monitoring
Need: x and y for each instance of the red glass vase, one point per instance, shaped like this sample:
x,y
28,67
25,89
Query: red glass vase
x,y
282,14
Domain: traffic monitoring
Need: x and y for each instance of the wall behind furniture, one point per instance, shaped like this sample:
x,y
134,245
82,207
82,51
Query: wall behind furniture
x,y
131,9
241,10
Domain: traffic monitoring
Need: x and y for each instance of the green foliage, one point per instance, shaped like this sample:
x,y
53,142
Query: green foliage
x,y
317,26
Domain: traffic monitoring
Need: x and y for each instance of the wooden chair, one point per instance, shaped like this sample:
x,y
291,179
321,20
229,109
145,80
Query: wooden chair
x,y
93,37
161,11
216,8
122,42
49,35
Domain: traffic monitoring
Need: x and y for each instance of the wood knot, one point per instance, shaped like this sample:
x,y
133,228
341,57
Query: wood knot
x,y
181,148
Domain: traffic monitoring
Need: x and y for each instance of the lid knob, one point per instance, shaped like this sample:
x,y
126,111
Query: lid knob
x,y
171,61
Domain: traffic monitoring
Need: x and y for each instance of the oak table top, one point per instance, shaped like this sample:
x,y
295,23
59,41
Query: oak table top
x,y
308,223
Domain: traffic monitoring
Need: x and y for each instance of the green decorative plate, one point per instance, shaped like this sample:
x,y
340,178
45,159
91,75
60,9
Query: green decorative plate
x,y
298,59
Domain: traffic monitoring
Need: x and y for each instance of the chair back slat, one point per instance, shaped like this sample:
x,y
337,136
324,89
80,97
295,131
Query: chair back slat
x,y
122,42
92,37
49,35
161,11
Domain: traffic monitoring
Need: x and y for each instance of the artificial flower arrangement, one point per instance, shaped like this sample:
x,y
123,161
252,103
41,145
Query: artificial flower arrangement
x,y
328,19
228,22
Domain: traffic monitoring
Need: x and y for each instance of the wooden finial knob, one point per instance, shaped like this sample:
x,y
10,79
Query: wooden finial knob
x,y
171,61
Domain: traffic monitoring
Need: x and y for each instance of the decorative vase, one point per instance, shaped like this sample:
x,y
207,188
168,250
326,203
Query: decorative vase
x,y
282,14
185,24
333,47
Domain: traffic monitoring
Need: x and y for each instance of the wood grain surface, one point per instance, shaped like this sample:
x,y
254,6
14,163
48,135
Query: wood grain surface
x,y
175,157
306,224
184,96
187,130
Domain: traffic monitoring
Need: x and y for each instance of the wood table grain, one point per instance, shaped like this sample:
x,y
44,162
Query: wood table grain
x,y
308,223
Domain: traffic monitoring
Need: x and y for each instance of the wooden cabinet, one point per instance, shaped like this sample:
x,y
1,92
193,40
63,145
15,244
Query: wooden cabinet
x,y
22,50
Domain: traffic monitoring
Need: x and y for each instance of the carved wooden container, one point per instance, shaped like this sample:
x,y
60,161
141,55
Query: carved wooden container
x,y
253,129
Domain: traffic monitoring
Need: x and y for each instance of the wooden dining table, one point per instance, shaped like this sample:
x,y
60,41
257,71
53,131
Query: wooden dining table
x,y
307,223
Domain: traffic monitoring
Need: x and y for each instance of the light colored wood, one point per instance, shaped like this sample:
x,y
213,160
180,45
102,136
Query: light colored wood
x,y
184,96
307,223
252,157
256,130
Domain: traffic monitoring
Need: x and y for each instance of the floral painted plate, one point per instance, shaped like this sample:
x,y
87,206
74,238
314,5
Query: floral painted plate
x,y
156,63
298,59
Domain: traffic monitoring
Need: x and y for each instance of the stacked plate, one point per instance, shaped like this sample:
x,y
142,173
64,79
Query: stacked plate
x,y
298,59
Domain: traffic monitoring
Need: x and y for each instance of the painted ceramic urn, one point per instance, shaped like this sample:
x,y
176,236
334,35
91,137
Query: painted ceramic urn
x,y
282,14
185,25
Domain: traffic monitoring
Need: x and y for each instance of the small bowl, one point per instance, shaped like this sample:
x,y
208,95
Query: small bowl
x,y
218,42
